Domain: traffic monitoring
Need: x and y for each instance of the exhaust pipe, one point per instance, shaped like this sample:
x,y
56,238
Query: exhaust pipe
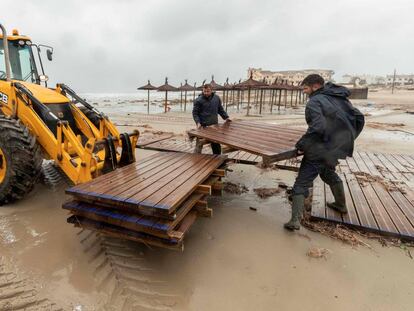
x,y
6,52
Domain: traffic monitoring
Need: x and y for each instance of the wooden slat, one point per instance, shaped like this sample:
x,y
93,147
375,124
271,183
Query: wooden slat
x,y
270,130
120,181
146,141
352,216
151,225
186,146
176,197
121,172
397,216
251,138
330,213
364,212
158,190
407,165
238,142
267,143
123,233
389,166
318,199
371,205
150,191
266,137
408,159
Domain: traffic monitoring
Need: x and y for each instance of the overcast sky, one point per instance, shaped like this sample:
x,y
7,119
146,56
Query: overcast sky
x,y
115,46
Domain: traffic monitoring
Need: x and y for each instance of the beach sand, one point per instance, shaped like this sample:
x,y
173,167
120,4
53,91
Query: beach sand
x,y
240,259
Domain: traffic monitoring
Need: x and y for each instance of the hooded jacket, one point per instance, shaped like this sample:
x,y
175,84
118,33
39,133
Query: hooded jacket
x,y
206,109
333,125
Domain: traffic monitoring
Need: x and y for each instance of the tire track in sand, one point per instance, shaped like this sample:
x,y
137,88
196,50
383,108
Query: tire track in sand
x,y
18,293
120,269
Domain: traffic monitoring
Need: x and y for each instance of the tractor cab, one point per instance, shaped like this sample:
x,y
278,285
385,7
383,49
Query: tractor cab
x,y
22,59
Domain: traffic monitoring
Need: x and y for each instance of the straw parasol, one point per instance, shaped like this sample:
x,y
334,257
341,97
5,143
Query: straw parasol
x,y
226,88
250,84
166,88
149,88
215,86
186,88
200,88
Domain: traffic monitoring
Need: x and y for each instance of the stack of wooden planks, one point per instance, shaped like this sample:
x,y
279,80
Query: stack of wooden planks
x,y
154,201
271,142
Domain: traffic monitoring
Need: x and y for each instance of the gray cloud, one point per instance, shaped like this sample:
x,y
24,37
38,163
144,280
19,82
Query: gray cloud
x,y
115,46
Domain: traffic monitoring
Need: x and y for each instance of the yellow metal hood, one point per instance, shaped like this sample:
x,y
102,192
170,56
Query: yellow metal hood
x,y
45,95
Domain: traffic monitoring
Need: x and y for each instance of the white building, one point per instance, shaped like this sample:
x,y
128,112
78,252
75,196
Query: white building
x,y
401,79
363,79
295,76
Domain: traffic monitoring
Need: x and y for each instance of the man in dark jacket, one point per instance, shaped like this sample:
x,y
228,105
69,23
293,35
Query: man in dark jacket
x,y
205,110
333,125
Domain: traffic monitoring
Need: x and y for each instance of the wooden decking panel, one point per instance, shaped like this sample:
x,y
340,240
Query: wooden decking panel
x,y
238,156
123,233
378,196
273,142
175,145
151,225
159,185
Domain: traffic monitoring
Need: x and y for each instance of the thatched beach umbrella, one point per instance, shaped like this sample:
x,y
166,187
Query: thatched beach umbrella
x,y
215,86
226,88
250,84
166,88
200,88
262,95
186,88
195,89
275,89
149,88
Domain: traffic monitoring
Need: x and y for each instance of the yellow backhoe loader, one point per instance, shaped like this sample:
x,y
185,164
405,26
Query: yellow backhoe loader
x,y
37,122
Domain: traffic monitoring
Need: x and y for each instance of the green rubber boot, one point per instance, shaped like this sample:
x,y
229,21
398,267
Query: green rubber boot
x,y
298,201
338,192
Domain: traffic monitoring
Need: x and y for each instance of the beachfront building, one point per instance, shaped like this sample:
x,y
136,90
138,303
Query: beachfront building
x,y
295,76
362,79
401,79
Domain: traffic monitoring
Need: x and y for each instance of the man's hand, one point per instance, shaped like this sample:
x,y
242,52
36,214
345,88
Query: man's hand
x,y
198,126
299,152
228,120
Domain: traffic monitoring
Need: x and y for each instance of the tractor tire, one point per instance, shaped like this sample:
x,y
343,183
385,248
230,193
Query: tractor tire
x,y
91,115
20,160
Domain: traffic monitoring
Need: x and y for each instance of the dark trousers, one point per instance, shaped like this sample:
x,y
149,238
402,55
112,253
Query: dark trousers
x,y
308,171
216,148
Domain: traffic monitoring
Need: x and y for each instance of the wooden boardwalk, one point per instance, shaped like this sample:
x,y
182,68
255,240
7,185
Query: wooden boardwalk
x,y
154,200
379,191
271,142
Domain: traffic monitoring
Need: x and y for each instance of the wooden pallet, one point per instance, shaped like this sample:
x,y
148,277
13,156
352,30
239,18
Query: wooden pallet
x,y
152,198
271,142
379,194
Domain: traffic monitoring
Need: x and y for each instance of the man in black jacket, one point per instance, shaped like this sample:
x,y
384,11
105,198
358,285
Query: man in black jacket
x,y
333,126
205,110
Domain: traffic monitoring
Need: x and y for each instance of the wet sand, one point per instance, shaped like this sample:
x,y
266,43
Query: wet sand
x,y
240,259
